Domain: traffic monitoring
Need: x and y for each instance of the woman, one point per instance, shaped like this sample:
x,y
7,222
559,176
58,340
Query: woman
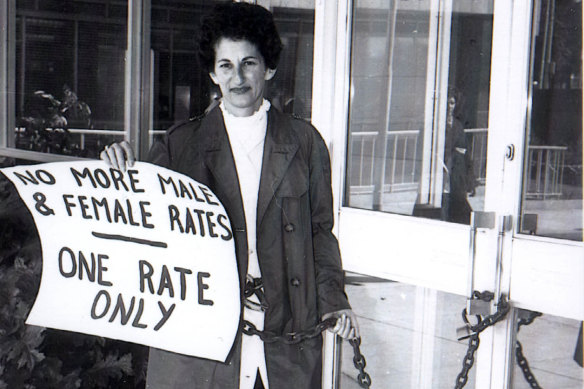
x,y
460,173
272,174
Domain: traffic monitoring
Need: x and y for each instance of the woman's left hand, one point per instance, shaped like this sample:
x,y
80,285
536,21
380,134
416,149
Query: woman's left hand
x,y
347,326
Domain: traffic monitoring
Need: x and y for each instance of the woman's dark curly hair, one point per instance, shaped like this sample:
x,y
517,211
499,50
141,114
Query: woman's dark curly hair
x,y
239,21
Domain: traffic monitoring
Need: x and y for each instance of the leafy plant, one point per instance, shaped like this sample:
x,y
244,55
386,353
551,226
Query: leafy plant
x,y
47,128
35,357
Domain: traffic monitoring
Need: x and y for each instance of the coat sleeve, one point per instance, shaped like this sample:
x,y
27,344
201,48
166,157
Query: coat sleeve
x,y
164,151
329,273
159,154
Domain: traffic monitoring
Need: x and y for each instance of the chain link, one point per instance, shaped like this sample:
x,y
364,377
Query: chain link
x,y
291,337
525,321
503,308
521,360
524,365
363,378
468,361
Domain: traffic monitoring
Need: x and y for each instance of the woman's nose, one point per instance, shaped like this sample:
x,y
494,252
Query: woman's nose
x,y
239,75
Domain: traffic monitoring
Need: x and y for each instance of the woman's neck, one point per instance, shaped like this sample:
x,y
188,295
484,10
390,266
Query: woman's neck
x,y
245,111
228,112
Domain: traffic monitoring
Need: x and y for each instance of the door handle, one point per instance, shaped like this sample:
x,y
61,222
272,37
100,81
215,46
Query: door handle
x,y
478,220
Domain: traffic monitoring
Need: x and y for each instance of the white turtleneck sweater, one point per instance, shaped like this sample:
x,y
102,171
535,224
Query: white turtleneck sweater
x,y
246,136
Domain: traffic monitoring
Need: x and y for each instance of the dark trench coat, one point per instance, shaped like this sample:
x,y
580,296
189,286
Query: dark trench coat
x,y
298,254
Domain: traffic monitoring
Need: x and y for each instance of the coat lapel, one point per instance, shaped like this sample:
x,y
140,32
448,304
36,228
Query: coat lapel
x,y
219,160
279,150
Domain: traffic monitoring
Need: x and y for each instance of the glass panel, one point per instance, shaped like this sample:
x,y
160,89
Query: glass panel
x,y
182,89
69,75
408,151
552,348
552,185
408,335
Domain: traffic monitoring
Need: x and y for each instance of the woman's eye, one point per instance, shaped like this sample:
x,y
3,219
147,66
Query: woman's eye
x,y
224,65
249,63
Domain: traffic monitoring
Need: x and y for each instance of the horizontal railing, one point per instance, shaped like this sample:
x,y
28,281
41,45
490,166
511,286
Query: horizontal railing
x,y
84,132
545,171
400,161
545,164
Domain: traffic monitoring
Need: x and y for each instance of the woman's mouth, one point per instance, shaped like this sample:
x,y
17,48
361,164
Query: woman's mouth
x,y
240,90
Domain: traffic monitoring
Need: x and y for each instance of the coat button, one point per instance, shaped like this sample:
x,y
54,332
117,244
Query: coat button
x,y
295,281
289,227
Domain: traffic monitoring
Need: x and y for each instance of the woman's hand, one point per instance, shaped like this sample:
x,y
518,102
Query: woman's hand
x,y
346,326
118,155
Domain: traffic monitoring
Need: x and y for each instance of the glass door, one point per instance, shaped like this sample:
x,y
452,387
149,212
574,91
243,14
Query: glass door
x,y
415,169
417,136
546,261
439,121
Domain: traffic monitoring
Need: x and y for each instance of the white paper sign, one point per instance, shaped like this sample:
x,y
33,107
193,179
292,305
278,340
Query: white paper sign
x,y
145,256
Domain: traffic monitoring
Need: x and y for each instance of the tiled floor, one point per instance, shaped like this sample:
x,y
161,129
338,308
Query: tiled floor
x,y
409,340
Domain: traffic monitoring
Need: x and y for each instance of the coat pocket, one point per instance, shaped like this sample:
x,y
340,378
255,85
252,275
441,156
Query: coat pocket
x,y
294,183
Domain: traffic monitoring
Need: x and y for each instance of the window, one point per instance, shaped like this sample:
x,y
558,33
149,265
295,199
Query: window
x,y
85,77
70,66
419,103
552,185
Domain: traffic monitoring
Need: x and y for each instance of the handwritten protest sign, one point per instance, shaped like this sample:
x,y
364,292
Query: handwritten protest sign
x,y
145,256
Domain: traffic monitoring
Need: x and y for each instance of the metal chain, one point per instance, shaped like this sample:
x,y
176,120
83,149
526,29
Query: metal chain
x,y
468,361
363,378
521,360
291,337
525,321
254,286
503,308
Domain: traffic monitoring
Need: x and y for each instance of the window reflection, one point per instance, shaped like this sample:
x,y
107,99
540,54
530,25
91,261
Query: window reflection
x,y
552,187
409,152
69,75
71,70
181,88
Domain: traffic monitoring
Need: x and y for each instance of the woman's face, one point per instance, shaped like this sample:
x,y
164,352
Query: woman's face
x,y
451,103
241,73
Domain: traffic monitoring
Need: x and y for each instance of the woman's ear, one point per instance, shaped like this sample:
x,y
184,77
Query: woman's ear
x,y
213,77
270,73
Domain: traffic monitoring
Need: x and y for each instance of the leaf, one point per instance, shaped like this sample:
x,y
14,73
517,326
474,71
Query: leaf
x,y
33,336
24,351
70,381
111,367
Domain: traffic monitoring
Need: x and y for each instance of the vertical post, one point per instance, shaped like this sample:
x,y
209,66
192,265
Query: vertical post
x,y
381,149
7,70
423,340
330,83
430,100
329,113
332,353
137,91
